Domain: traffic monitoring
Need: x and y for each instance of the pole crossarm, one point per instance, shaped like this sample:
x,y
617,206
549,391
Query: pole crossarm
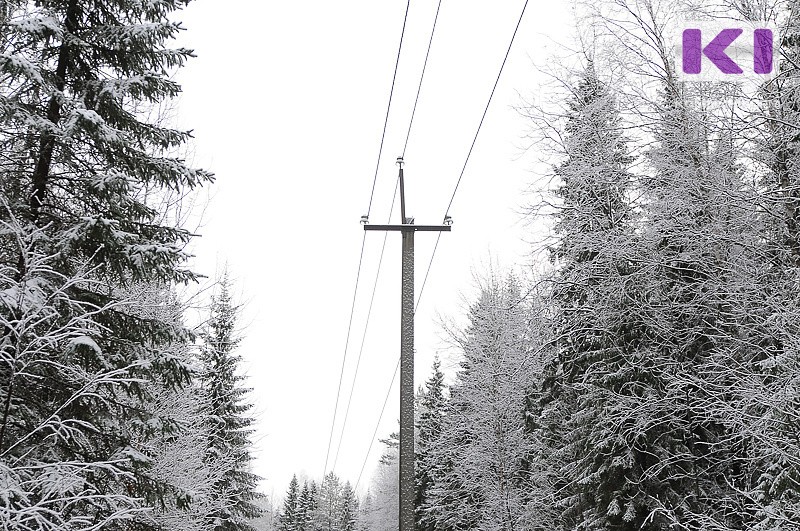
x,y
409,227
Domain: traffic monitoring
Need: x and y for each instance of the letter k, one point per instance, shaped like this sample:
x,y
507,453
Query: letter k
x,y
715,51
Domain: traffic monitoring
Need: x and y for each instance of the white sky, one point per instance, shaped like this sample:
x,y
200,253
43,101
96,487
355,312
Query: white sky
x,y
287,102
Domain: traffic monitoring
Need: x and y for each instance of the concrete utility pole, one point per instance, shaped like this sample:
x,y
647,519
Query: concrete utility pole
x,y
407,229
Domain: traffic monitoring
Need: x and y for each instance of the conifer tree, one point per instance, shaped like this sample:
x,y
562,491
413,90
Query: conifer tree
x,y
430,411
771,368
178,454
381,504
81,175
302,506
290,518
698,301
307,506
229,427
479,482
348,508
593,323
329,504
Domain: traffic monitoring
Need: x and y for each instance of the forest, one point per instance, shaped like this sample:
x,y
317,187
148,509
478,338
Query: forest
x,y
642,372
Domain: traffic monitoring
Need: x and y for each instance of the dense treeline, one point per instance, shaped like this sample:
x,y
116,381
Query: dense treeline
x,y
114,414
649,380
333,505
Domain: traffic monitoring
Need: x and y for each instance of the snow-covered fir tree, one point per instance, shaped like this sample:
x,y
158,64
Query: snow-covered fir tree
x,y
307,506
430,409
348,508
380,507
331,507
327,516
290,518
476,462
81,175
698,298
594,325
761,404
228,423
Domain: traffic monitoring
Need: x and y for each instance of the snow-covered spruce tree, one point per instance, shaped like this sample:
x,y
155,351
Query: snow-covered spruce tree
x,y
430,414
329,506
307,506
480,482
290,514
228,426
692,303
348,508
767,391
80,164
700,261
381,505
177,455
594,325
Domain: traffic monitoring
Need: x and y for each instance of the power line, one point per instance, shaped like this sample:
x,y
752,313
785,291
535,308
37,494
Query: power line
x,y
496,81
388,107
344,357
363,241
394,376
377,426
405,145
421,77
366,326
436,246
475,138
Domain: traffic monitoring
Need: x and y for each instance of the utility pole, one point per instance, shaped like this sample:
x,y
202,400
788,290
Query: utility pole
x,y
407,228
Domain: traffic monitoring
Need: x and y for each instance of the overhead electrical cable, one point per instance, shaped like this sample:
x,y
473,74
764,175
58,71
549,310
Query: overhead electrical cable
x,y
378,424
391,384
363,241
366,326
421,77
486,109
388,107
383,247
344,357
447,211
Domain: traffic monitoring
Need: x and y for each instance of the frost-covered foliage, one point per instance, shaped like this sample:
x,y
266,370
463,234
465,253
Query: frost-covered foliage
x,y
595,326
227,427
667,393
477,461
336,506
430,410
381,505
668,401
307,506
178,454
101,426
290,519
332,506
68,456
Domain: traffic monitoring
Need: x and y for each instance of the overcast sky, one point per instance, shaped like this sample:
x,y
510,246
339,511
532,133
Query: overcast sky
x,y
287,103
